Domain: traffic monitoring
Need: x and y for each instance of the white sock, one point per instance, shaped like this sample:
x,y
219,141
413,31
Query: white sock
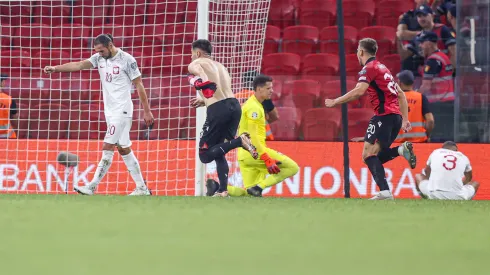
x,y
102,168
134,169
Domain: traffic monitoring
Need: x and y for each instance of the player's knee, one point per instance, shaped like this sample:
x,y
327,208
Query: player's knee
x,y
124,151
204,156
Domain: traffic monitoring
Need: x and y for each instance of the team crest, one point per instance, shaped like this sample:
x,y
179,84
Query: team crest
x,y
115,70
379,123
134,66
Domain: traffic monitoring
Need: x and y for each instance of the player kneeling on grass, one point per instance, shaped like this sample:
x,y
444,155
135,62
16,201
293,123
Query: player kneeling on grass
x,y
118,71
254,171
443,179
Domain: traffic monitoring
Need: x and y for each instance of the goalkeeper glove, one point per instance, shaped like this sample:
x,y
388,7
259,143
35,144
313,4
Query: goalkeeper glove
x,y
271,164
207,88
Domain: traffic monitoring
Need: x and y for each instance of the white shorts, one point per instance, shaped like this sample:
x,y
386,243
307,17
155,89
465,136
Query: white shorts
x,y
466,193
118,131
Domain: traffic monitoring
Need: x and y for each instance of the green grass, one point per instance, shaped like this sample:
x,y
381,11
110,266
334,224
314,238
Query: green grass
x,y
71,235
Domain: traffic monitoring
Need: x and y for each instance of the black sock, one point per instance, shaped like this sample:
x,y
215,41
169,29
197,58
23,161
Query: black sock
x,y
388,154
378,172
221,149
222,169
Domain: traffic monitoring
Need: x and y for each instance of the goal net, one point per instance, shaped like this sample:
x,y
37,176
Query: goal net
x,y
64,111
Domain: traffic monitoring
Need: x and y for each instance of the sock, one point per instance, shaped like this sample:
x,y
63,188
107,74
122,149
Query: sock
x,y
378,172
236,191
388,154
102,168
222,169
134,169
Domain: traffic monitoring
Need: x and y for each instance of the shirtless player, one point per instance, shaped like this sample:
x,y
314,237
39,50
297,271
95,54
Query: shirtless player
x,y
213,82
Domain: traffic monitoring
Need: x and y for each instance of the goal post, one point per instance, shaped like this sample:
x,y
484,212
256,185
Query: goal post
x,y
64,112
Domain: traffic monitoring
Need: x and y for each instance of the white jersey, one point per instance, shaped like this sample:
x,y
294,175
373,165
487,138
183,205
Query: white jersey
x,y
116,74
447,170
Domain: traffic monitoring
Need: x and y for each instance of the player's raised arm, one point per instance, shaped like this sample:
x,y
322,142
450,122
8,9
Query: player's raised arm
x,y
199,79
354,94
69,67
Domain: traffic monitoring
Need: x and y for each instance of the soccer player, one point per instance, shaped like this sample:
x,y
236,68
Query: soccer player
x,y
254,171
117,70
391,114
223,113
443,175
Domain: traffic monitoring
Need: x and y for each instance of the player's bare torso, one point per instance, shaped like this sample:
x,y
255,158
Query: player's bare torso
x,y
218,74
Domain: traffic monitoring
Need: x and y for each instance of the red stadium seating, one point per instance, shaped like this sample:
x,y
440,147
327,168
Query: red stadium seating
x,y
384,36
285,129
329,39
85,125
358,13
6,33
320,64
52,13
281,64
32,37
165,12
321,124
90,12
333,90
15,13
47,121
392,62
71,37
48,58
352,66
178,37
15,59
302,94
133,13
389,11
281,13
318,13
272,37
358,121
301,40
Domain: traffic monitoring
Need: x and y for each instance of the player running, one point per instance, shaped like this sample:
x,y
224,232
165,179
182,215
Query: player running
x,y
254,171
213,82
391,115
117,70
443,179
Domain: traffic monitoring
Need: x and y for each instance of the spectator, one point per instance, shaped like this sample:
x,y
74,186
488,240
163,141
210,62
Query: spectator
x,y
419,112
271,112
411,55
409,27
437,85
8,111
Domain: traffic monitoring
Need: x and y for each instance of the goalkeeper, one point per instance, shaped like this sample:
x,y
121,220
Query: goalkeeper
x,y
254,171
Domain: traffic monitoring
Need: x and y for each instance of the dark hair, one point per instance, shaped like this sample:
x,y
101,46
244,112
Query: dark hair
x,y
448,144
261,80
203,45
369,45
3,77
104,39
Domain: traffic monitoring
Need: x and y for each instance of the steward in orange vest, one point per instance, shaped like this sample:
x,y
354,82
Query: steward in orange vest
x,y
8,109
419,114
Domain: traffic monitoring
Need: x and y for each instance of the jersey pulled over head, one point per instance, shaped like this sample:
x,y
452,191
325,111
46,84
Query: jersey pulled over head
x,y
201,48
367,48
104,45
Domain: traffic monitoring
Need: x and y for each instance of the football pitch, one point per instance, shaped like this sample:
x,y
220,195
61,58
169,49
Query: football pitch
x,y
71,235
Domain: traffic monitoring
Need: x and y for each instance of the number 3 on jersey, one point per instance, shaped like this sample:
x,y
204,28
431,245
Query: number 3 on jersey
x,y
450,163
391,84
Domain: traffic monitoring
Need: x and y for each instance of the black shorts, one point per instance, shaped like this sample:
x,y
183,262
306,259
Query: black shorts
x,y
222,120
383,129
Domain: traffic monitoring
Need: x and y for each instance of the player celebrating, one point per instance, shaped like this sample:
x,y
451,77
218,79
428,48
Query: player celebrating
x,y
443,175
254,171
213,82
391,114
117,70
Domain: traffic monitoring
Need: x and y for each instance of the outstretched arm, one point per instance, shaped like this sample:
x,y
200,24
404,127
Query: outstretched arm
x,y
354,94
69,67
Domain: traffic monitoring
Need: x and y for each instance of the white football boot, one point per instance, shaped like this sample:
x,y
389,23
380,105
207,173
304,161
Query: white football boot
x,y
383,195
141,191
406,150
84,190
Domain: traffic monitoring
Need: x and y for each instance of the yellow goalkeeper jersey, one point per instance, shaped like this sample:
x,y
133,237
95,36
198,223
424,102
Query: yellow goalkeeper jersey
x,y
253,121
